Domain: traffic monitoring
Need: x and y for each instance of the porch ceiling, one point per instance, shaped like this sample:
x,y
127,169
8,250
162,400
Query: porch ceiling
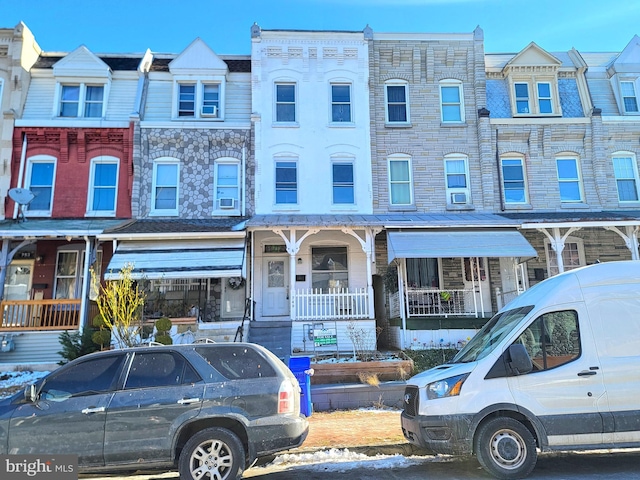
x,y
454,244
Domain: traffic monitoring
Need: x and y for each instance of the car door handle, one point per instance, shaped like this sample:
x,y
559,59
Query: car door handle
x,y
587,373
188,401
87,411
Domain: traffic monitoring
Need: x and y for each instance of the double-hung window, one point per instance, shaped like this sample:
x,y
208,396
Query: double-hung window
x,y
343,189
103,186
340,103
452,108
569,182
513,181
533,97
629,99
522,97
457,179
286,182
572,256
81,101
396,94
227,185
166,176
41,176
400,189
187,100
198,100
285,102
544,98
625,170
210,100
329,268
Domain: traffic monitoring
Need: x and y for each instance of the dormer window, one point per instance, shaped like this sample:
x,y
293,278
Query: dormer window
x,y
198,100
81,100
534,98
629,99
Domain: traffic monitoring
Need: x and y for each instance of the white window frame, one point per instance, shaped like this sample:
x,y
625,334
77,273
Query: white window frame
x,y
406,159
154,187
540,98
82,100
334,184
534,98
631,82
281,160
460,104
102,160
28,184
79,250
525,201
217,195
333,103
199,101
1,92
572,245
451,191
276,103
405,85
577,180
632,176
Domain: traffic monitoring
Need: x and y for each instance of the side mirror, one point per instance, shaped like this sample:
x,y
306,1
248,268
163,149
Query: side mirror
x,y
30,393
520,360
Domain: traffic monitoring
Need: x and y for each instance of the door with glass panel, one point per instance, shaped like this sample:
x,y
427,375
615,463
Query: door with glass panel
x,y
275,286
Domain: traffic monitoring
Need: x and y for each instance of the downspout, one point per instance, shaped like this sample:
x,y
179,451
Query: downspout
x,y
23,160
85,285
499,175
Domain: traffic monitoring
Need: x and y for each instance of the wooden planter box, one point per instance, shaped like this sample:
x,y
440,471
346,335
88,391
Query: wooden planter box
x,y
351,372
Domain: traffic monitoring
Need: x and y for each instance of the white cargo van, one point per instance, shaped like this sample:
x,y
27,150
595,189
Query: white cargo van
x,y
558,368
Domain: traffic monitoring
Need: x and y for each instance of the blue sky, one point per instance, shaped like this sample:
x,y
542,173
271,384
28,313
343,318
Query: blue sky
x,y
169,25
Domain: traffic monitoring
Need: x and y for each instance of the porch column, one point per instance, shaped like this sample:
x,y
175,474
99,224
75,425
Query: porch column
x,y
557,243
630,237
368,246
85,284
403,302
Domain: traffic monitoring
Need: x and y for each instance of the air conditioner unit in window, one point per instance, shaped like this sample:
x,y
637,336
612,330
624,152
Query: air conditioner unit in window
x,y
458,198
227,202
209,111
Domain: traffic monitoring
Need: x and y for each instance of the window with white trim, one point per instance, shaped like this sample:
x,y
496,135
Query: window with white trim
x,y
340,103
396,95
70,273
329,268
451,101
534,97
572,255
103,186
343,186
285,102
286,182
513,181
164,194
198,100
41,175
226,179
629,99
400,181
81,100
456,172
569,179
625,169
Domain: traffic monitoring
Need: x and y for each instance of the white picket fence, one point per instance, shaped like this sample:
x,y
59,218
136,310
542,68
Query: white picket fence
x,y
330,304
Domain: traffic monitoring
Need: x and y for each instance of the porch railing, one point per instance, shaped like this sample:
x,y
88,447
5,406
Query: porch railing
x,y
334,303
18,315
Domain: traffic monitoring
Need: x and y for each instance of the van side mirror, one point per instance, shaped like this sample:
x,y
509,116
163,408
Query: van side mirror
x,y
513,362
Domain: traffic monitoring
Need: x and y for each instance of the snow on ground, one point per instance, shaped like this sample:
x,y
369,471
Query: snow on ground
x,y
10,381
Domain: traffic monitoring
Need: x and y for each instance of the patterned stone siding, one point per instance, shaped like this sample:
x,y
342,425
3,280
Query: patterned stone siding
x,y
570,98
498,99
196,149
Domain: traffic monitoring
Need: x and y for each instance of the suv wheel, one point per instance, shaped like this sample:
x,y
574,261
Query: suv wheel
x,y
212,454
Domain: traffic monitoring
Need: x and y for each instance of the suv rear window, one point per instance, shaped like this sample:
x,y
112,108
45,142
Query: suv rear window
x,y
237,362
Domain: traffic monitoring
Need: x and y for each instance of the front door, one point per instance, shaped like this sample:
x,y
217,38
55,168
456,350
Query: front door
x,y
17,284
275,286
475,273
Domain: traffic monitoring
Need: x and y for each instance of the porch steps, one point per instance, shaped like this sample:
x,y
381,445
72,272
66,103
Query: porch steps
x,y
216,334
276,336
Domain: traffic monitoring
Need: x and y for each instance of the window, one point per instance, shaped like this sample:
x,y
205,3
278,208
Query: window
x,y
198,100
329,268
625,170
569,180
227,185
81,101
210,99
544,98
457,179
629,99
343,192
400,190
70,271
572,256
522,97
513,181
452,105
423,273
186,100
41,175
160,369
236,363
553,339
285,102
397,104
535,97
340,103
165,187
286,183
103,186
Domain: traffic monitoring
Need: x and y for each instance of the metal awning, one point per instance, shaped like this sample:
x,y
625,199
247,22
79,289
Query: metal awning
x,y
212,258
454,244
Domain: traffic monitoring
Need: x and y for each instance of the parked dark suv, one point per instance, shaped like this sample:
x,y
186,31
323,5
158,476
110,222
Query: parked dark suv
x,y
209,410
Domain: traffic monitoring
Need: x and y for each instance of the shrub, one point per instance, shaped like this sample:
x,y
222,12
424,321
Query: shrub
x,y
164,339
102,338
163,325
426,359
75,345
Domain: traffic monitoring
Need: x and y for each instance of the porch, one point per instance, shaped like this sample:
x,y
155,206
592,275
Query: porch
x,y
50,314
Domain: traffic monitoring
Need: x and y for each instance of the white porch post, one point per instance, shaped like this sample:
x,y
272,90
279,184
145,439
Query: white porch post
x,y
630,237
368,246
557,243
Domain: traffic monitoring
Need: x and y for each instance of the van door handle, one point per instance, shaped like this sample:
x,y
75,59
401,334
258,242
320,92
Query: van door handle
x,y
188,401
89,410
587,373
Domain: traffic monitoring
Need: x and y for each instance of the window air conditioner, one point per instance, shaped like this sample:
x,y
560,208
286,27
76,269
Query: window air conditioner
x,y
458,198
227,202
209,111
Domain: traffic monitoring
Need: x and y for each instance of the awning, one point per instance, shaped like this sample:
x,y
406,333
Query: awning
x,y
454,244
213,258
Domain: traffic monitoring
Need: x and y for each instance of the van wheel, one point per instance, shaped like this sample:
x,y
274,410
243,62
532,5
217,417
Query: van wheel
x,y
212,454
506,448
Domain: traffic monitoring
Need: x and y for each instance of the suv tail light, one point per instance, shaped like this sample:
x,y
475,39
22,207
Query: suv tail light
x,y
286,397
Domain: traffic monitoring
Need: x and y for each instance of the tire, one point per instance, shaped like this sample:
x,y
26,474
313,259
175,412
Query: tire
x,y
506,448
212,454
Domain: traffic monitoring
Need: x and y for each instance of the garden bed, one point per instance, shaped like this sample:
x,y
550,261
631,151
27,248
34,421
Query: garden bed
x,y
383,367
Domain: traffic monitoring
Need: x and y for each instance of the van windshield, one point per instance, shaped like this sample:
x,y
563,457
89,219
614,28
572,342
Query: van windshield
x,y
489,336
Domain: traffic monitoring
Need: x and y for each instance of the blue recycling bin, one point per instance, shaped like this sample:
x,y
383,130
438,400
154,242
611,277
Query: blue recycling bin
x,y
301,369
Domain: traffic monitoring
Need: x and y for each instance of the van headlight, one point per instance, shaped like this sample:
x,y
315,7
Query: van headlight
x,y
449,387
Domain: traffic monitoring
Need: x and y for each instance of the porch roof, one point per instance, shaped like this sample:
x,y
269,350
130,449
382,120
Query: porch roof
x,y
56,227
213,258
529,220
454,244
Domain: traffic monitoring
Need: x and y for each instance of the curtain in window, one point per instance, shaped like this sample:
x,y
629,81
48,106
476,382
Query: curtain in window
x,y
423,273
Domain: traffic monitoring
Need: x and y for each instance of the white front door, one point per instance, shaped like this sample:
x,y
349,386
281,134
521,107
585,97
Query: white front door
x,y
475,274
275,286
17,284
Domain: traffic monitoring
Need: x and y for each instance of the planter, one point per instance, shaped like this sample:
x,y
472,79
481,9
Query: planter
x,y
355,372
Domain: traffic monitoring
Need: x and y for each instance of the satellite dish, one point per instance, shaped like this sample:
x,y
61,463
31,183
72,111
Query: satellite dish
x,y
21,196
